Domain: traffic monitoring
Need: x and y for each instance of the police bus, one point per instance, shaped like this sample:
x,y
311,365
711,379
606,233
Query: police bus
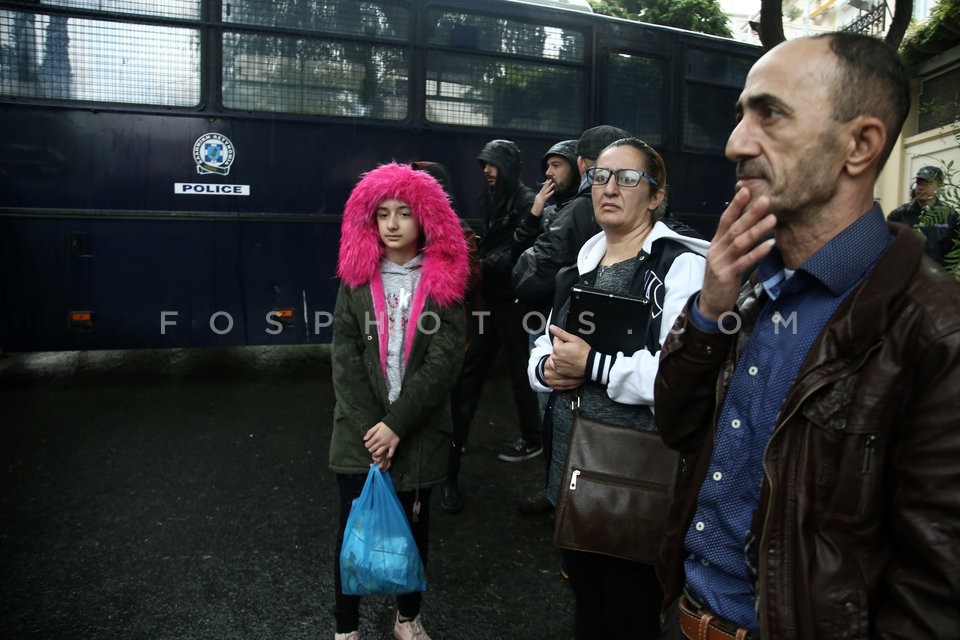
x,y
172,172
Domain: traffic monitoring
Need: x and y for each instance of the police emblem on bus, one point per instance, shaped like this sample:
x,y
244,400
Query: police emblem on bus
x,y
213,153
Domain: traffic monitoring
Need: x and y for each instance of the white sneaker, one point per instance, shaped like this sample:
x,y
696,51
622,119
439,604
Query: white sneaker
x,y
353,635
409,629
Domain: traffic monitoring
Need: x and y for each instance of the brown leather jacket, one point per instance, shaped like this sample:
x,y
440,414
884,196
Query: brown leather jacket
x,y
859,516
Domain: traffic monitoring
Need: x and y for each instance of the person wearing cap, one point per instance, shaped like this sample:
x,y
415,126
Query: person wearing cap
x,y
929,215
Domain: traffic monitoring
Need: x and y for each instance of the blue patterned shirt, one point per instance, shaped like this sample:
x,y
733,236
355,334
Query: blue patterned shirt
x,y
799,306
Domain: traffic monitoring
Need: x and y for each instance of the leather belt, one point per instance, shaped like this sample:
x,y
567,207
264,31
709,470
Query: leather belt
x,y
700,625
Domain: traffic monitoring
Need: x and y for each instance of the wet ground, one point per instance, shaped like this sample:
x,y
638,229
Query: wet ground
x,y
185,494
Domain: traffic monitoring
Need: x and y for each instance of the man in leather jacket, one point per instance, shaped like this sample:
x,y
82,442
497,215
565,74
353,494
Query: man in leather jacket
x,y
816,403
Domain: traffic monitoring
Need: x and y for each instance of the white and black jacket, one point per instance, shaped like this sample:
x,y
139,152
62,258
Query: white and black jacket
x,y
671,271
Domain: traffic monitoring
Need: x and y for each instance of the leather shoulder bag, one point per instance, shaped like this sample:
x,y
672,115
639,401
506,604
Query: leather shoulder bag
x,y
618,483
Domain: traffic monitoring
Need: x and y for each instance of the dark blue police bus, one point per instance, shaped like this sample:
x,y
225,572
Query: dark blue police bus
x,y
172,172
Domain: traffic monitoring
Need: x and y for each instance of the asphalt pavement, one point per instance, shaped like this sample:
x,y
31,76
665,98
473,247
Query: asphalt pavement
x,y
185,494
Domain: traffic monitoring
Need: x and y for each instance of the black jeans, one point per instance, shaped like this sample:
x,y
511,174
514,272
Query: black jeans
x,y
614,598
502,327
671,622
346,610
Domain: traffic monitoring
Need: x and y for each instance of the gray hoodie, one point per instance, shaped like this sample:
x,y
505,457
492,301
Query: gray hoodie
x,y
399,283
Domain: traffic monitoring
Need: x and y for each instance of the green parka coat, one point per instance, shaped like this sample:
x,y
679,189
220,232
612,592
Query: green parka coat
x,y
435,335
420,416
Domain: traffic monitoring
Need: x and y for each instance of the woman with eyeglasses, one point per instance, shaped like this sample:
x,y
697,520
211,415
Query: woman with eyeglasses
x,y
639,255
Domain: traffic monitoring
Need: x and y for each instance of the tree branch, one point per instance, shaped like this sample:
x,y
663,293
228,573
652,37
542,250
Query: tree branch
x,y
771,23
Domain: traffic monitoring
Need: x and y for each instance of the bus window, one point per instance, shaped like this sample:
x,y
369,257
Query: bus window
x,y
717,67
714,80
465,85
52,56
706,125
314,76
388,20
186,9
493,34
635,93
484,92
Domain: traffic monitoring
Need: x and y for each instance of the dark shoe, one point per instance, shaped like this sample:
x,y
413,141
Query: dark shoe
x,y
450,499
535,504
520,451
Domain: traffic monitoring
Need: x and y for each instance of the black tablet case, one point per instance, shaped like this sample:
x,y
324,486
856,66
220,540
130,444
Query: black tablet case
x,y
608,322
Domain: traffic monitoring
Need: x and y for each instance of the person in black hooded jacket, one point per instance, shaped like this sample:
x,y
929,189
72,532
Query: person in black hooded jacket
x,y
559,166
572,225
505,203
498,319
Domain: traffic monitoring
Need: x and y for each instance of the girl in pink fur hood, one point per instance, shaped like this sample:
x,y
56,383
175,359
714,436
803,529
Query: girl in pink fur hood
x,y
398,343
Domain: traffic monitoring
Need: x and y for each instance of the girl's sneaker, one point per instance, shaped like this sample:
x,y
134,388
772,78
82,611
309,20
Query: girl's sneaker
x,y
353,635
409,629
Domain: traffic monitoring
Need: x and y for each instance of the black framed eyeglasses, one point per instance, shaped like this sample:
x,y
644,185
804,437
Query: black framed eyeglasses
x,y
625,177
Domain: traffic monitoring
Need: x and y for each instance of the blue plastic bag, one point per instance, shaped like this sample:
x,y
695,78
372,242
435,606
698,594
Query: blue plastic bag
x,y
379,555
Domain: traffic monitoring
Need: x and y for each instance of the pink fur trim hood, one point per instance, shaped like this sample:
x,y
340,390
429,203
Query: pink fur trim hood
x,y
445,267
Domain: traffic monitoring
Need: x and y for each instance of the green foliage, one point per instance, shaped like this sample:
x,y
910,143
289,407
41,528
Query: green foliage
x,y
629,9
924,41
942,112
935,35
703,16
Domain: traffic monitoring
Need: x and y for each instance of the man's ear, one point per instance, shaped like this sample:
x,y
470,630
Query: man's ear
x,y
868,136
582,165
